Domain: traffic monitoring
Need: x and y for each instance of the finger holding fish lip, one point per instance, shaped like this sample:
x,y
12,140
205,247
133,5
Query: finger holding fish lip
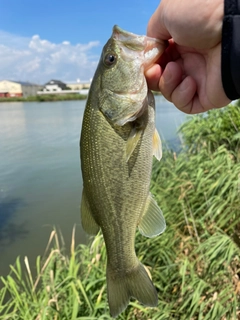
x,y
153,74
177,89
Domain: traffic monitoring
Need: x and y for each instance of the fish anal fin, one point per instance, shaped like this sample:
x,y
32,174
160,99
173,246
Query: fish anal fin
x,y
88,223
135,283
157,145
132,141
152,222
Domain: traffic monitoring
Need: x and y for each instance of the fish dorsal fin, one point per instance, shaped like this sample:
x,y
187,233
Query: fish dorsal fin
x,y
152,222
132,141
157,145
88,223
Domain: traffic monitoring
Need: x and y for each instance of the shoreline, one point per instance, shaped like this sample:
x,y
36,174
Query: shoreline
x,y
52,97
43,98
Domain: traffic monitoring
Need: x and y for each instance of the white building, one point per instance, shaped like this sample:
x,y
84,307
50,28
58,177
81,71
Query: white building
x,y
10,88
54,86
79,85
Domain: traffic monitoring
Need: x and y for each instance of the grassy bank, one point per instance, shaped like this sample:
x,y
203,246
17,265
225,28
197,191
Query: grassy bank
x,y
195,264
46,97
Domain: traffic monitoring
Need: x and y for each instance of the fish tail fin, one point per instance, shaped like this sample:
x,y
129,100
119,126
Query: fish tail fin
x,y
135,283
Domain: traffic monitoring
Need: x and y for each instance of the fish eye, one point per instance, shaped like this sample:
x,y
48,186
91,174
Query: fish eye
x,y
110,59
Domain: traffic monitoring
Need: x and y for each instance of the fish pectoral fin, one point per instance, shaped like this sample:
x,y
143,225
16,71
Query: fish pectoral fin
x,y
88,223
157,145
120,109
152,222
132,141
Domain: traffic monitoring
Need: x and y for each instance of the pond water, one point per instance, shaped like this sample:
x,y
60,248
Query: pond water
x,y
40,178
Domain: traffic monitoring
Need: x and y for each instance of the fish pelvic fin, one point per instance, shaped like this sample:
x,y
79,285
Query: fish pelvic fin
x,y
88,223
135,283
152,222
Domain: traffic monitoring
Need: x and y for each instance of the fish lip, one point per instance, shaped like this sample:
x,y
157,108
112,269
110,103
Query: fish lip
x,y
129,39
152,48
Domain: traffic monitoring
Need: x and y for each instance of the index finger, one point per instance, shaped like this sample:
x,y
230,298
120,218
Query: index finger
x,y
156,27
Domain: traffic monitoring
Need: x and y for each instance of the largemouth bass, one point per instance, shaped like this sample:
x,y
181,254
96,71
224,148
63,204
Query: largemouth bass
x,y
118,141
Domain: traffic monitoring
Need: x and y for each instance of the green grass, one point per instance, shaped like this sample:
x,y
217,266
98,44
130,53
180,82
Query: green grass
x,y
46,97
195,264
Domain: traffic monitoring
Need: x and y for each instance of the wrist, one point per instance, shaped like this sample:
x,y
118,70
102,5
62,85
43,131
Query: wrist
x,y
231,49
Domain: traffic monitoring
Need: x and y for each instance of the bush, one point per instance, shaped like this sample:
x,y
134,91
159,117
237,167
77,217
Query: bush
x,y
217,127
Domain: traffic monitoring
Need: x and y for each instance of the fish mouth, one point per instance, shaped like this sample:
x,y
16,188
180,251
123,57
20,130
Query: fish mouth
x,y
150,49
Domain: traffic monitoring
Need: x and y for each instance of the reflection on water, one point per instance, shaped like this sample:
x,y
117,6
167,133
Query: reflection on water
x,y
12,121
40,178
10,231
168,120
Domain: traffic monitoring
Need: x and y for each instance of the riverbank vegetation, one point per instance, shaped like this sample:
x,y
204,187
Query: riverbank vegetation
x,y
195,263
46,97
51,97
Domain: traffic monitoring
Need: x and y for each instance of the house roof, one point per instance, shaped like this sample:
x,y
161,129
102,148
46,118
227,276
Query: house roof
x,y
55,82
23,83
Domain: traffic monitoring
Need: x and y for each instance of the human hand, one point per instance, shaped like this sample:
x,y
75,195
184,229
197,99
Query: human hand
x,y
189,71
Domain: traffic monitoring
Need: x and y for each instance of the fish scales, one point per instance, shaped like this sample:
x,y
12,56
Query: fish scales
x,y
107,175
116,182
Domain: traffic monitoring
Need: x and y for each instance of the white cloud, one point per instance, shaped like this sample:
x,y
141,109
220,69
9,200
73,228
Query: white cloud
x,y
37,60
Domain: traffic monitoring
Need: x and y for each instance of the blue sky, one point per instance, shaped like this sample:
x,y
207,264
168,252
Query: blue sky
x,y
43,40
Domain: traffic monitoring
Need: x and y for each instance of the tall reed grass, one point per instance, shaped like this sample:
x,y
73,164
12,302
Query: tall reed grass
x,y
195,264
